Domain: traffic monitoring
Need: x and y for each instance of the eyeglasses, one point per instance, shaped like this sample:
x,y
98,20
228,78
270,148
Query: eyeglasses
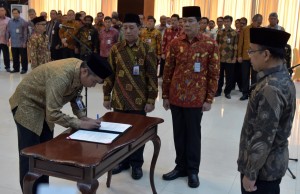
x,y
251,51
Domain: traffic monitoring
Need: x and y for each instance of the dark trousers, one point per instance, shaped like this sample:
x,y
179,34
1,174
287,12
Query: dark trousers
x,y
16,53
246,69
4,49
228,69
161,67
67,53
263,187
27,138
187,138
56,54
238,75
136,159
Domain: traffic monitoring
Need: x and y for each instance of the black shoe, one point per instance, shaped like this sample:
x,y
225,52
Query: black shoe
x,y
228,96
217,94
23,72
7,69
174,174
193,181
14,71
244,97
136,173
120,167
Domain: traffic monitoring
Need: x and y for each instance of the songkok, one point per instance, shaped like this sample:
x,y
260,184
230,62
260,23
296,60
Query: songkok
x,y
38,19
269,37
191,11
132,18
99,66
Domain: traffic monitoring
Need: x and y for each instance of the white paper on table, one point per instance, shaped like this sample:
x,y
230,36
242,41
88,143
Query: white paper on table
x,y
114,127
93,136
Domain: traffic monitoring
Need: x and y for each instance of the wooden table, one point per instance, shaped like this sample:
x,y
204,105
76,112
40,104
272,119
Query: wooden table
x,y
85,162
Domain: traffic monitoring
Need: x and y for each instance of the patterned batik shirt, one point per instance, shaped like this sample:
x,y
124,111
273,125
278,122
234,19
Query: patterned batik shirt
x,y
227,40
89,37
183,84
44,91
107,39
263,153
38,49
134,82
66,34
153,38
169,35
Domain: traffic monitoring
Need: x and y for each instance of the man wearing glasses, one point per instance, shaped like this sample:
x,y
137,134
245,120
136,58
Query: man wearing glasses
x,y
38,43
263,154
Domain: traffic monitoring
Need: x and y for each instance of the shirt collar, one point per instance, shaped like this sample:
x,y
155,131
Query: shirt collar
x,y
266,72
196,38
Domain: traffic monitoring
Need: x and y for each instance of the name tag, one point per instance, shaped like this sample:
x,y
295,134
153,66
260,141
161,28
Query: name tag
x,y
149,41
197,67
89,37
53,32
108,41
136,70
79,103
228,40
17,31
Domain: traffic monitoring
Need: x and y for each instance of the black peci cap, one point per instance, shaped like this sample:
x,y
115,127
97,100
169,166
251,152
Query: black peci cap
x,y
269,37
99,66
191,11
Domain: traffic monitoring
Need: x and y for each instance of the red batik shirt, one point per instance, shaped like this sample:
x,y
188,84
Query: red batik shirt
x,y
169,35
181,84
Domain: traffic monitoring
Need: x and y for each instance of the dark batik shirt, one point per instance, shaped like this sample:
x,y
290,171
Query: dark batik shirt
x,y
263,153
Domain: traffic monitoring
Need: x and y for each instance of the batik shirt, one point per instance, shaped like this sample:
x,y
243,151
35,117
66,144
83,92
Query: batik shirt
x,y
134,82
153,38
169,35
89,37
184,85
227,40
39,49
44,91
263,153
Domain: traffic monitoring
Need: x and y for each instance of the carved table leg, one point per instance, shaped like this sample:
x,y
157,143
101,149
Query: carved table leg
x,y
109,174
88,188
29,181
156,144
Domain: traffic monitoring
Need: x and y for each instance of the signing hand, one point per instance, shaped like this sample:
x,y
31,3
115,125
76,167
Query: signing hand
x,y
90,123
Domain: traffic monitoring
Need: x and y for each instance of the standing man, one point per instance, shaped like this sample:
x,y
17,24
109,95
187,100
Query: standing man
x,y
66,35
243,57
17,32
203,27
152,36
39,98
3,39
273,22
227,39
38,43
88,35
170,33
108,37
189,85
220,23
52,30
31,15
132,88
263,154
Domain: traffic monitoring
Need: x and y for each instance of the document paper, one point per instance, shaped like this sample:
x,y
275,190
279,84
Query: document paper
x,y
107,132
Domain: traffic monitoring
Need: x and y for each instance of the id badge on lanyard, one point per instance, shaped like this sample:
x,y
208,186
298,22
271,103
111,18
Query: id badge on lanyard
x,y
136,68
79,103
197,64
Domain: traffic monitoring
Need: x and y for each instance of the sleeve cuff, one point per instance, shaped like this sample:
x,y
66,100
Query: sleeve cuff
x,y
107,98
151,101
252,175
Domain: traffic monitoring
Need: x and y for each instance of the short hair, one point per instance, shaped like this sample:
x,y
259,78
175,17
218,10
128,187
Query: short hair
x,y
205,18
150,17
71,11
277,53
53,10
107,18
238,20
228,17
245,19
220,18
212,21
88,16
175,16
84,65
273,14
100,13
256,16
77,16
15,9
30,10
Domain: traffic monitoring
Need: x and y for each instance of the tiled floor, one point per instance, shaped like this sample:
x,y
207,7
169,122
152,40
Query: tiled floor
x,y
220,138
